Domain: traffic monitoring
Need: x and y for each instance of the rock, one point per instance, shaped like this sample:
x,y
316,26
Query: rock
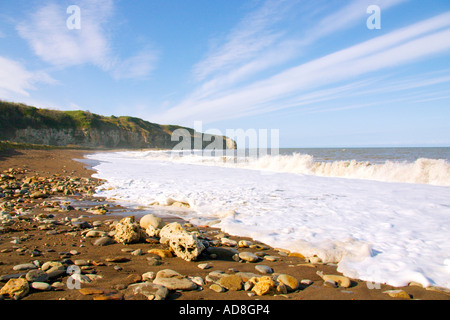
x,y
197,280
263,285
330,283
214,276
296,254
153,261
90,291
117,259
290,282
151,231
41,286
36,276
222,253
128,231
340,280
231,282
24,266
151,220
204,266
132,278
244,244
15,289
148,276
161,253
103,241
271,258
228,242
53,269
81,263
95,234
398,294
247,275
170,229
184,244
38,195
264,269
151,291
173,280
306,282
248,256
217,288
137,252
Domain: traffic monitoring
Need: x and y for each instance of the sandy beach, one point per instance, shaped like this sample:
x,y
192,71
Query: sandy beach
x,y
52,226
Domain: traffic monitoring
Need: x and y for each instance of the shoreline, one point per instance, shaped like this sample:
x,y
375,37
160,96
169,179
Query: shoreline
x,y
36,236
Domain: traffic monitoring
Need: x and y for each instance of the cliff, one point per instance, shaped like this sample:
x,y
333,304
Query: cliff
x,y
25,124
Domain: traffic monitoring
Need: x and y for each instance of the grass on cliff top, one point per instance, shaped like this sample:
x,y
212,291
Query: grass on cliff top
x,y
20,116
8,145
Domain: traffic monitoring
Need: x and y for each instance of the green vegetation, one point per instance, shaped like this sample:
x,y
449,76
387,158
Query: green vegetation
x,y
30,127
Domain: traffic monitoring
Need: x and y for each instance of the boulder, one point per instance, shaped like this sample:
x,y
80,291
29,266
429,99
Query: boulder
x,y
173,280
184,244
15,289
150,290
128,231
290,282
151,220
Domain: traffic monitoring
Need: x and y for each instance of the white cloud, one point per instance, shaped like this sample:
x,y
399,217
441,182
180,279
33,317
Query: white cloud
x,y
51,40
407,45
135,67
16,80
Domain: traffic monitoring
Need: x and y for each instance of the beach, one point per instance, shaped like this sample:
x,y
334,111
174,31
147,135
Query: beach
x,y
53,227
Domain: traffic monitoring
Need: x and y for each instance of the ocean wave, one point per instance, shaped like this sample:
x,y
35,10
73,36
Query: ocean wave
x,y
421,171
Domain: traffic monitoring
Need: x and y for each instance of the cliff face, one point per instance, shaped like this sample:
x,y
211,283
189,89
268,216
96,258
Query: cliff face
x,y
21,123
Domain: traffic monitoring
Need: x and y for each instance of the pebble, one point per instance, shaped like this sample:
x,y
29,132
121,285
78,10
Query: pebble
x,y
228,242
24,266
231,282
398,294
36,275
263,269
204,266
217,288
248,256
290,282
42,286
271,258
103,241
137,252
173,280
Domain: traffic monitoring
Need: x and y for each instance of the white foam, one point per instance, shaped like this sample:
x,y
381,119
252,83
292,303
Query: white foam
x,y
376,231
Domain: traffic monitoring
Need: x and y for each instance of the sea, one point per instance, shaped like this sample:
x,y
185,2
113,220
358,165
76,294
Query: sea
x,y
380,214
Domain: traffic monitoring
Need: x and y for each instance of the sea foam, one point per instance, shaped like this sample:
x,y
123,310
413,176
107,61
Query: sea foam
x,y
387,232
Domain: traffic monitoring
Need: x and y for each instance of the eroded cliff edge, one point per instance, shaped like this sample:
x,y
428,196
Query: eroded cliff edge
x,y
27,124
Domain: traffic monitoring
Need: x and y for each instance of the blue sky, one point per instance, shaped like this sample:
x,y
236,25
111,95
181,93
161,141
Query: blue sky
x,y
310,68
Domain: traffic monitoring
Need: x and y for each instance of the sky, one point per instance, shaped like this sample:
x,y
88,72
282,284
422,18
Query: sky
x,y
354,73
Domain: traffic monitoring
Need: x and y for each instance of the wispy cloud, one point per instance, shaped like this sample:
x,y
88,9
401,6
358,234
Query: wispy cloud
x,y
46,32
400,47
17,80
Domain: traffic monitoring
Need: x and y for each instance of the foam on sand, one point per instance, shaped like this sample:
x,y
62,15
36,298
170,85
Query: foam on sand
x,y
387,232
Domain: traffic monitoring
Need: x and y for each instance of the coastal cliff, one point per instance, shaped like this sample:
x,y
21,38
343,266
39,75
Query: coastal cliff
x,y
25,124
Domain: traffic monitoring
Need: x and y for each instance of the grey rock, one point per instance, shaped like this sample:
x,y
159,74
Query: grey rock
x,y
248,256
150,290
264,269
173,280
42,286
103,241
24,266
36,276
